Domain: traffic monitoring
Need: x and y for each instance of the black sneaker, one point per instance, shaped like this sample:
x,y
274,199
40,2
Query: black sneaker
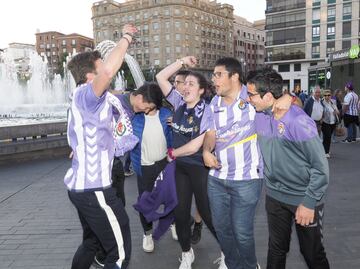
x,y
99,259
196,233
345,141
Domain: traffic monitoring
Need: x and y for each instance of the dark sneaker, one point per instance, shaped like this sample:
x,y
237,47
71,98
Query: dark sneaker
x,y
345,141
129,173
196,233
99,259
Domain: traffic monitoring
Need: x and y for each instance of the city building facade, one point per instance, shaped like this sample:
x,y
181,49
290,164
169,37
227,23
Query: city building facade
x,y
54,47
301,34
168,29
249,43
19,54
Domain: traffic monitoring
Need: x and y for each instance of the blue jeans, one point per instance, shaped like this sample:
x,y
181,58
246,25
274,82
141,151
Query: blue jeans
x,y
233,205
351,132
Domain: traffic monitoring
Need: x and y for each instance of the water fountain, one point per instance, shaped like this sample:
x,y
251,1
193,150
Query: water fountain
x,y
35,100
43,100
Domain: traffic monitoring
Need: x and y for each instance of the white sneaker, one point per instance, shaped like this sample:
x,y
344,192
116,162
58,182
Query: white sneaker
x,y
327,155
173,232
258,266
221,262
148,243
187,258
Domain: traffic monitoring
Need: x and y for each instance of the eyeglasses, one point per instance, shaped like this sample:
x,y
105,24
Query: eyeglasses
x,y
327,94
218,74
252,94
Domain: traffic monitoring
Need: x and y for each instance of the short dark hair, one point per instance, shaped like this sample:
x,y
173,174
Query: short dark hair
x,y
266,80
182,73
151,93
232,65
83,63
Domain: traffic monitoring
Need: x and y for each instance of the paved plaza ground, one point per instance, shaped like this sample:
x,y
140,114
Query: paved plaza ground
x,y
39,227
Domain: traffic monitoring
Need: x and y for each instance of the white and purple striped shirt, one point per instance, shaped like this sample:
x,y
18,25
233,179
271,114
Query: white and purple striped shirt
x,y
236,148
90,135
351,99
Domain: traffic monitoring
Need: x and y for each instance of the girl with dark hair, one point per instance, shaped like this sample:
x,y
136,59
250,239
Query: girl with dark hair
x,y
191,174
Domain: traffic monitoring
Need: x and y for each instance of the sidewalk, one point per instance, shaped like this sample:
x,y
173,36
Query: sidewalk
x,y
39,227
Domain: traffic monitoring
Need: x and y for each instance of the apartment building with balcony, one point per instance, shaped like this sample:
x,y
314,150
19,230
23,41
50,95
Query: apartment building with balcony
x,y
53,46
168,29
249,43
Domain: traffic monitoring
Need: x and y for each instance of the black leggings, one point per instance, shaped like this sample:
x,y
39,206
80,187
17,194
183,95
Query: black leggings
x,y
146,182
191,179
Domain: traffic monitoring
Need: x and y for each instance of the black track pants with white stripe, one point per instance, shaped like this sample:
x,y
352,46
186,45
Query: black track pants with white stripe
x,y
105,223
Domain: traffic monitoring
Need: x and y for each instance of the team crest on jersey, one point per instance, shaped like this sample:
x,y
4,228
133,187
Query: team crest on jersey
x,y
190,120
242,104
120,129
281,128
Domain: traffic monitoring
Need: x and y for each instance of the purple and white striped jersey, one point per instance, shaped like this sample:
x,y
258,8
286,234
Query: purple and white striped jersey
x,y
236,148
90,135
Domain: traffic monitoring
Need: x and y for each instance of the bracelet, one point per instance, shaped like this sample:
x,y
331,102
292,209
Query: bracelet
x,y
170,153
123,37
130,34
182,62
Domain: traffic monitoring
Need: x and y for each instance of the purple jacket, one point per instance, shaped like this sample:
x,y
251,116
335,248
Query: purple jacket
x,y
160,202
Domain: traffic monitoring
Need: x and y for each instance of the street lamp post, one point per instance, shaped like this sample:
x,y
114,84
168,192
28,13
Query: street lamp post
x,y
152,72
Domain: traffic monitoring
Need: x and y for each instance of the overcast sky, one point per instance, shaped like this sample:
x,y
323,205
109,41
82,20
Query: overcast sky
x,y
20,19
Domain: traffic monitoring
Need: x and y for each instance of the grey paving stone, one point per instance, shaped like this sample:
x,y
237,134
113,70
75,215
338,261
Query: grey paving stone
x,y
39,227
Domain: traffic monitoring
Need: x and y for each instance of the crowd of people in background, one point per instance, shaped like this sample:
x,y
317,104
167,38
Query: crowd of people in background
x,y
222,138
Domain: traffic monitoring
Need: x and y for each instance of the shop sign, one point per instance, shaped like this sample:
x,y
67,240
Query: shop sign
x,y
354,52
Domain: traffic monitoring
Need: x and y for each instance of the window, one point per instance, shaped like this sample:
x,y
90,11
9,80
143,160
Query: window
x,y
177,24
64,50
156,38
330,46
167,37
284,68
157,62
146,15
346,29
177,12
347,9
331,29
315,50
316,31
331,12
316,15
177,36
156,50
53,45
167,24
297,67
155,25
166,12
48,46
346,44
167,50
178,49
